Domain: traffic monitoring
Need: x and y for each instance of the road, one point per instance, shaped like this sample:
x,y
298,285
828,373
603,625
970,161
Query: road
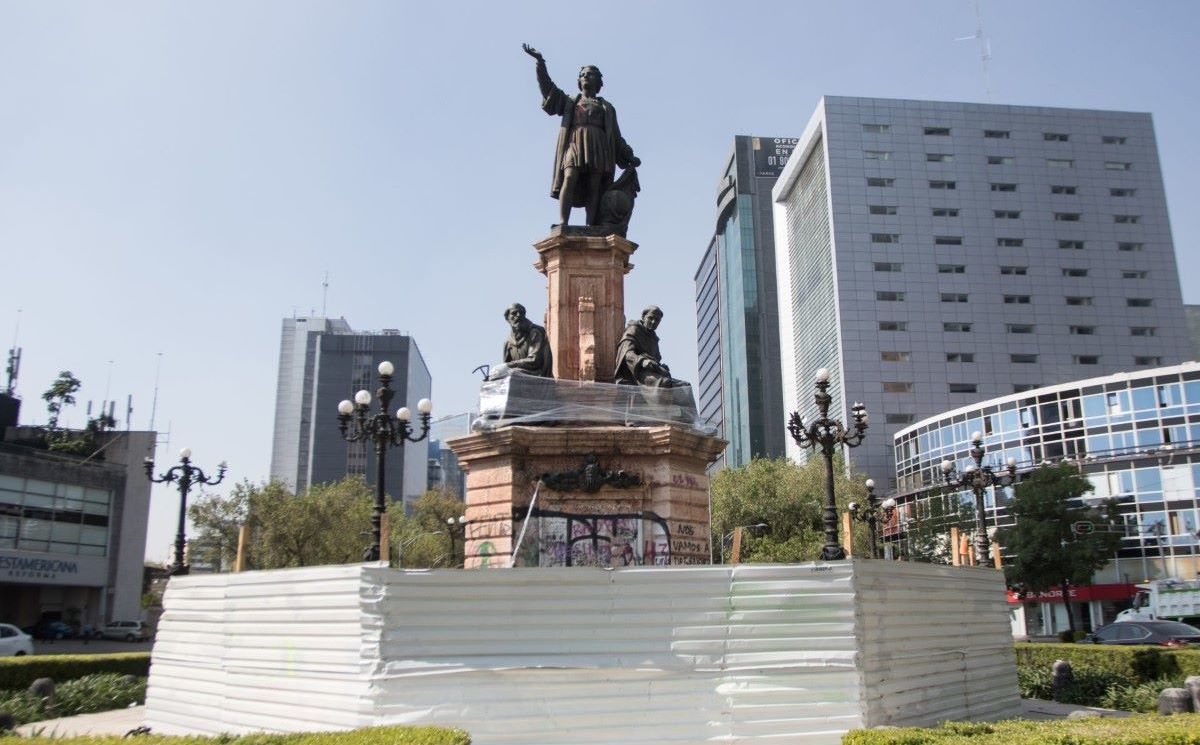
x,y
95,646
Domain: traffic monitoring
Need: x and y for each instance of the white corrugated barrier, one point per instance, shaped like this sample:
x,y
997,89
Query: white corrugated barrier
x,y
797,653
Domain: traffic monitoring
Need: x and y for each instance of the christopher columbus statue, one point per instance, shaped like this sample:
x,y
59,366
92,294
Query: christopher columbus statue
x,y
590,146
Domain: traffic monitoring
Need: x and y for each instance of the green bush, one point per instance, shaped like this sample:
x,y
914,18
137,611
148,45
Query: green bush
x,y
1182,729
1141,697
372,736
16,673
1120,660
85,695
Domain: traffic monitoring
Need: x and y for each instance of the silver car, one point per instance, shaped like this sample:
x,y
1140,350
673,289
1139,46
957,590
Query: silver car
x,y
13,641
130,631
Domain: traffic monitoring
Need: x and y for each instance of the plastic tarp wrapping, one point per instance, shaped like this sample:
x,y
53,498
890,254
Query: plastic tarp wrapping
x,y
797,653
527,399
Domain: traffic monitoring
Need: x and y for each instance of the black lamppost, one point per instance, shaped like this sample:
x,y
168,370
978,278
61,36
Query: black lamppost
x,y
384,432
186,474
978,478
453,524
869,515
826,434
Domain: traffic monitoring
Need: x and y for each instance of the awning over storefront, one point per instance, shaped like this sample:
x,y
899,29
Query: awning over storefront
x,y
1117,591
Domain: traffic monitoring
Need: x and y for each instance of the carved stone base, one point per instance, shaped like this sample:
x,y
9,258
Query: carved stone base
x,y
585,283
601,518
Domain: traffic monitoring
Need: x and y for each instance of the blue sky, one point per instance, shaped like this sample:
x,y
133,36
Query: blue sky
x,y
175,178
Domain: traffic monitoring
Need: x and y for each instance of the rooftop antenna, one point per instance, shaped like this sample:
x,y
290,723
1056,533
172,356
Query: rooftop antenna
x,y
324,292
154,401
13,368
128,411
985,49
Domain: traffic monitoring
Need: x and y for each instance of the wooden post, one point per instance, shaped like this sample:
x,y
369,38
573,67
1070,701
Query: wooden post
x,y
966,549
955,557
847,534
735,552
996,561
385,538
243,535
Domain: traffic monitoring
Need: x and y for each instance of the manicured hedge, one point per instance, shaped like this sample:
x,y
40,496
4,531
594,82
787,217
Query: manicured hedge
x,y
1183,729
17,673
372,736
1127,662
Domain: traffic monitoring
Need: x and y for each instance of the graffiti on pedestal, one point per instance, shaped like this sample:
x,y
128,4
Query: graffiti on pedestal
x,y
557,539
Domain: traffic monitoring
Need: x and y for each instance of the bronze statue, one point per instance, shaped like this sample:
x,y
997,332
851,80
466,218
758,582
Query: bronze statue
x,y
638,358
527,350
590,146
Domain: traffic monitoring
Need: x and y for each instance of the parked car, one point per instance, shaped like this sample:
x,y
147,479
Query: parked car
x,y
130,631
1162,633
13,641
45,629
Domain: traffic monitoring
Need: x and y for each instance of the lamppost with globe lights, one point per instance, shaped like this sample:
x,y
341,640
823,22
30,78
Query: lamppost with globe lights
x,y
453,524
186,474
978,477
385,432
868,514
826,435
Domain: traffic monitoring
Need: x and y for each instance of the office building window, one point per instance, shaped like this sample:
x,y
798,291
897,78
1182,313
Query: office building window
x,y
1112,140
885,237
963,388
956,327
1000,160
1003,187
893,325
1019,328
960,357
1014,270
882,209
894,386
1086,359
1060,162
943,184
1127,219
1017,300
996,134
877,181
1006,214
947,240
888,296
1060,189
1074,272
1055,137
1083,330
1143,331
894,356
952,268
1076,245
1023,359
939,157
1115,165
1122,192
1066,216
876,128
1139,302
954,297
888,266
1151,360
1129,246
1134,274
945,212
899,418
937,131
1010,242
877,154
1078,300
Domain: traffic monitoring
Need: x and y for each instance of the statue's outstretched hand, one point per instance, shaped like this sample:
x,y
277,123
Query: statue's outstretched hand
x,y
533,53
635,161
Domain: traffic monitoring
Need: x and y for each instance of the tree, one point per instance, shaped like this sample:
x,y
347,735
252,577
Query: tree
x,y
1046,549
927,530
60,395
218,520
788,498
423,539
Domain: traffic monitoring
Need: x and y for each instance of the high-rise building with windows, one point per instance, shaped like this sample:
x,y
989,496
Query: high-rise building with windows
x,y
934,254
321,362
737,324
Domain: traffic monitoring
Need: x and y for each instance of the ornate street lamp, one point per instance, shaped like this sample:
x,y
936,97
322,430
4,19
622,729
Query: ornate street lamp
x,y
186,474
869,514
384,432
827,434
453,524
978,478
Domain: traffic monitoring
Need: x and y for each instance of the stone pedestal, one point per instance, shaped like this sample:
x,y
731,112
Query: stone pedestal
x,y
585,316
663,519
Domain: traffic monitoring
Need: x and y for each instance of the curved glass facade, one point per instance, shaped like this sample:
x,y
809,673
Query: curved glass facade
x,y
1136,436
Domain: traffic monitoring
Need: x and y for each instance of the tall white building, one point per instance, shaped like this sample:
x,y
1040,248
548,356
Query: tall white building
x,y
321,362
933,254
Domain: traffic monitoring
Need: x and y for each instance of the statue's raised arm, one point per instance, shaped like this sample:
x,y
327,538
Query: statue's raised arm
x,y
590,146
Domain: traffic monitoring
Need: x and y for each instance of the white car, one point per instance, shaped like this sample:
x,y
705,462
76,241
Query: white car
x,y
13,641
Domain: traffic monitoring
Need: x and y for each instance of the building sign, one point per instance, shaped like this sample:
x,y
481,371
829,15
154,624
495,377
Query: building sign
x,y
1118,591
50,569
771,154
